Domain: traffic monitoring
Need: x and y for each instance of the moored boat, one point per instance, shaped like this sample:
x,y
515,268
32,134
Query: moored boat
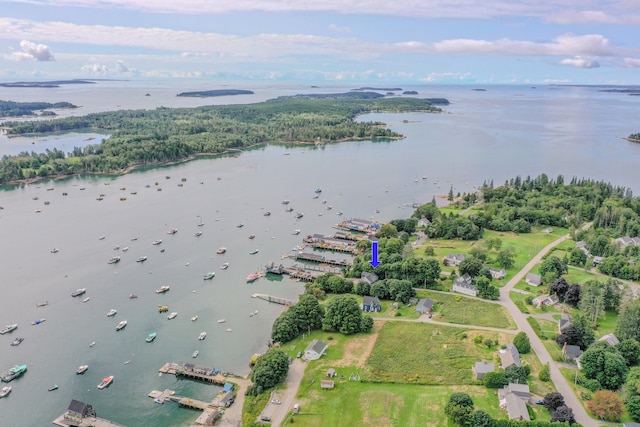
x,y
221,251
252,236
253,252
162,289
195,354
112,312
224,266
252,277
38,321
113,260
163,308
202,336
194,318
151,337
172,315
5,391
42,303
13,373
198,233
92,343
267,213
172,231
55,387
210,275
86,299
240,225
299,215
222,320
54,251
105,382
8,328
133,296
78,292
121,325
142,259
156,242
318,190
17,341
82,369
296,232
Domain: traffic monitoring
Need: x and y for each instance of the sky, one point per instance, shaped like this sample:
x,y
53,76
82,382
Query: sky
x,y
395,41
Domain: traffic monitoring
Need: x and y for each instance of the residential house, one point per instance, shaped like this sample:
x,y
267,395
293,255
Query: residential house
x,y
369,278
571,352
328,384
481,368
496,273
371,304
625,241
424,222
315,349
597,260
513,399
565,320
77,411
425,305
547,300
454,259
630,424
464,285
509,356
533,279
331,372
582,245
610,339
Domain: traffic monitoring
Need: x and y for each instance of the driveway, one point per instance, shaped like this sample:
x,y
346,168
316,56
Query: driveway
x,y
278,412
232,416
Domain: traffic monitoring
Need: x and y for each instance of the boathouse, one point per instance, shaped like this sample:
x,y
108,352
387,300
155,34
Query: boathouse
x,y
77,411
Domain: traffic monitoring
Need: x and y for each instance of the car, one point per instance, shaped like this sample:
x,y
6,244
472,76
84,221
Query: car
x,y
539,402
229,403
299,355
275,401
265,418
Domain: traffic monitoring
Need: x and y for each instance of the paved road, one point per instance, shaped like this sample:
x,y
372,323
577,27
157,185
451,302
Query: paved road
x,y
521,320
278,413
232,416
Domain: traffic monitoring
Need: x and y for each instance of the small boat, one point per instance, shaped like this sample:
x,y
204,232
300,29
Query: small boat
x,y
78,292
224,266
252,277
13,373
289,209
299,215
55,387
38,321
296,232
112,312
163,308
318,190
121,325
92,344
54,250
210,275
255,312
172,315
5,391
42,303
172,231
151,337
240,225
195,354
221,251
105,382
102,237
8,328
339,213
252,236
156,242
202,336
17,341
125,249
316,196
116,247
82,369
158,400
253,252
222,320
142,259
229,329
194,318
86,299
133,296
285,202
267,213
162,289
38,210
198,234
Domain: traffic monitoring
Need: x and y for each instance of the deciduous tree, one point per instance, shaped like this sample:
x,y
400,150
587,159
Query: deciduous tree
x,y
343,315
521,341
606,405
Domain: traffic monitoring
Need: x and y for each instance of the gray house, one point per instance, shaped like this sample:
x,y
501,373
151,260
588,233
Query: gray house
x,y
77,411
497,273
509,356
315,349
571,352
513,399
565,320
369,278
533,279
425,305
464,285
481,368
611,339
371,304
454,259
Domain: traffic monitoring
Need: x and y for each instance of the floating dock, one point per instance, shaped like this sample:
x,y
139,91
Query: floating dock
x,y
161,396
271,298
194,372
209,413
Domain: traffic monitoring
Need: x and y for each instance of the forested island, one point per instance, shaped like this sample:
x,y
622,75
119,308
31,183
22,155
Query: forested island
x,y
385,89
216,92
48,84
165,135
634,137
18,109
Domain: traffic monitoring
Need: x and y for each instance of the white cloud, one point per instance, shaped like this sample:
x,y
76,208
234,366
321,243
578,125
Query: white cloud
x,y
446,76
98,68
592,17
32,52
580,62
556,81
631,62
337,29
121,67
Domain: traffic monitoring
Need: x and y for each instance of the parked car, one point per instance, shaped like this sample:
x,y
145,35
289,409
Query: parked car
x,y
539,402
299,355
265,418
275,401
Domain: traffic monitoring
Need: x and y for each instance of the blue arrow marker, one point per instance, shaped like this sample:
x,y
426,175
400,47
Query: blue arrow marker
x,y
374,255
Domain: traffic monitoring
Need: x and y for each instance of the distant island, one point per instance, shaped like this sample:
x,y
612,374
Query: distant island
x,y
410,92
385,89
634,137
216,92
627,91
479,90
19,109
49,84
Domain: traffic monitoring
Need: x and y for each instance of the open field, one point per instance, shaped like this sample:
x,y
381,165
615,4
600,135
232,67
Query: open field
x,y
438,355
454,308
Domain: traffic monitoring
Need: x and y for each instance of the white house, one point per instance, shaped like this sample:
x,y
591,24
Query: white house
x,y
464,285
533,279
315,349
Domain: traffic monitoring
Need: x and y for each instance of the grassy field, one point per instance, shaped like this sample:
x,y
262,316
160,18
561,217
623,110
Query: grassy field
x,y
439,355
454,308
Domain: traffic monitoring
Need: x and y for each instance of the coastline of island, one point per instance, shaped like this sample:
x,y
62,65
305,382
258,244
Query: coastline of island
x,y
215,92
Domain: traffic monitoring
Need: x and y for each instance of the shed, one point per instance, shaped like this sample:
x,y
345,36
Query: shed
x,y
371,304
425,305
315,349
563,322
331,372
481,368
610,339
327,384
227,387
77,411
369,278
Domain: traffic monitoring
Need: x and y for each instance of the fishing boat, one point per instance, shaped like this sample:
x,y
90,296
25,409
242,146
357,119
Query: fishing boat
x,y
13,373
267,213
125,249
112,312
55,387
163,308
42,303
240,225
222,320
142,259
172,231
5,391
253,252
38,321
92,343
172,315
151,337
221,251
78,292
121,325
198,234
105,382
252,277
252,236
17,341
82,369
318,190
202,336
102,237
162,289
113,260
296,232
156,242
210,275
133,296
86,299
285,202
289,209
54,251
299,215
8,328
195,354
194,318
224,266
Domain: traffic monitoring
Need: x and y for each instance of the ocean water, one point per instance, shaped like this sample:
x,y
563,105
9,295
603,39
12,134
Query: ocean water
x,y
496,134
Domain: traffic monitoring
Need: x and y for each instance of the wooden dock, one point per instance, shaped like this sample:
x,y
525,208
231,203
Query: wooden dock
x,y
194,372
209,411
61,421
161,396
317,258
271,298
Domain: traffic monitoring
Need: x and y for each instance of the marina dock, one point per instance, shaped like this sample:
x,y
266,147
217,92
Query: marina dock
x,y
271,298
61,421
296,272
317,258
194,372
161,396
209,415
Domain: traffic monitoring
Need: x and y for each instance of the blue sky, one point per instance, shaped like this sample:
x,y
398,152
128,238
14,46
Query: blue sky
x,y
408,41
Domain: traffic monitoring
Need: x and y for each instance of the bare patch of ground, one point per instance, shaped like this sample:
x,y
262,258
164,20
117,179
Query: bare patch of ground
x,y
357,350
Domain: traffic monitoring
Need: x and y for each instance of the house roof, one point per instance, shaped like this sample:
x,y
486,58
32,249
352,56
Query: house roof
x,y
573,351
611,339
331,371
516,408
483,367
630,424
227,396
510,356
425,304
317,346
495,270
521,389
534,278
80,407
565,320
370,301
457,257
369,277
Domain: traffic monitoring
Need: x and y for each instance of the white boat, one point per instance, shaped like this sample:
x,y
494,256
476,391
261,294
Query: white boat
x,y
172,231
210,275
221,251
82,369
252,236
92,344
224,266
229,330
194,318
54,250
142,259
299,215
222,320
156,242
253,252
296,232
195,354
198,234
42,303
172,315
121,325
105,382
38,321
162,289
102,237
78,292
8,328
5,391
125,249
112,312
202,336
86,299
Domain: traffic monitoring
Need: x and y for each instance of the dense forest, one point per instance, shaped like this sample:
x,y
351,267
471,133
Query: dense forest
x,y
216,92
146,137
634,136
18,109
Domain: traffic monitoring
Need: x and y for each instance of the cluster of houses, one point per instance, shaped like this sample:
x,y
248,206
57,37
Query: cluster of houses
x,y
464,284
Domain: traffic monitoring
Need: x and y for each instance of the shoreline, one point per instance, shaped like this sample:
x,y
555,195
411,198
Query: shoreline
x,y
632,140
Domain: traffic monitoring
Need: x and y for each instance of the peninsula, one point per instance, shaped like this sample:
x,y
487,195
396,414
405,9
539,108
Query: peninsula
x,y
18,109
216,92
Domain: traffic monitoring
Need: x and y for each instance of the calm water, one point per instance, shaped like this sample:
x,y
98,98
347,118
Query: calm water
x,y
495,134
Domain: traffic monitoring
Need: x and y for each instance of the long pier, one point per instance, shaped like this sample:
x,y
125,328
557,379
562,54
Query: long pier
x,y
296,271
210,413
194,372
271,298
306,256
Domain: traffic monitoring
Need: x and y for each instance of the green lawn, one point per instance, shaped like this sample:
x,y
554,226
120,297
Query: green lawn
x,y
438,355
455,308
